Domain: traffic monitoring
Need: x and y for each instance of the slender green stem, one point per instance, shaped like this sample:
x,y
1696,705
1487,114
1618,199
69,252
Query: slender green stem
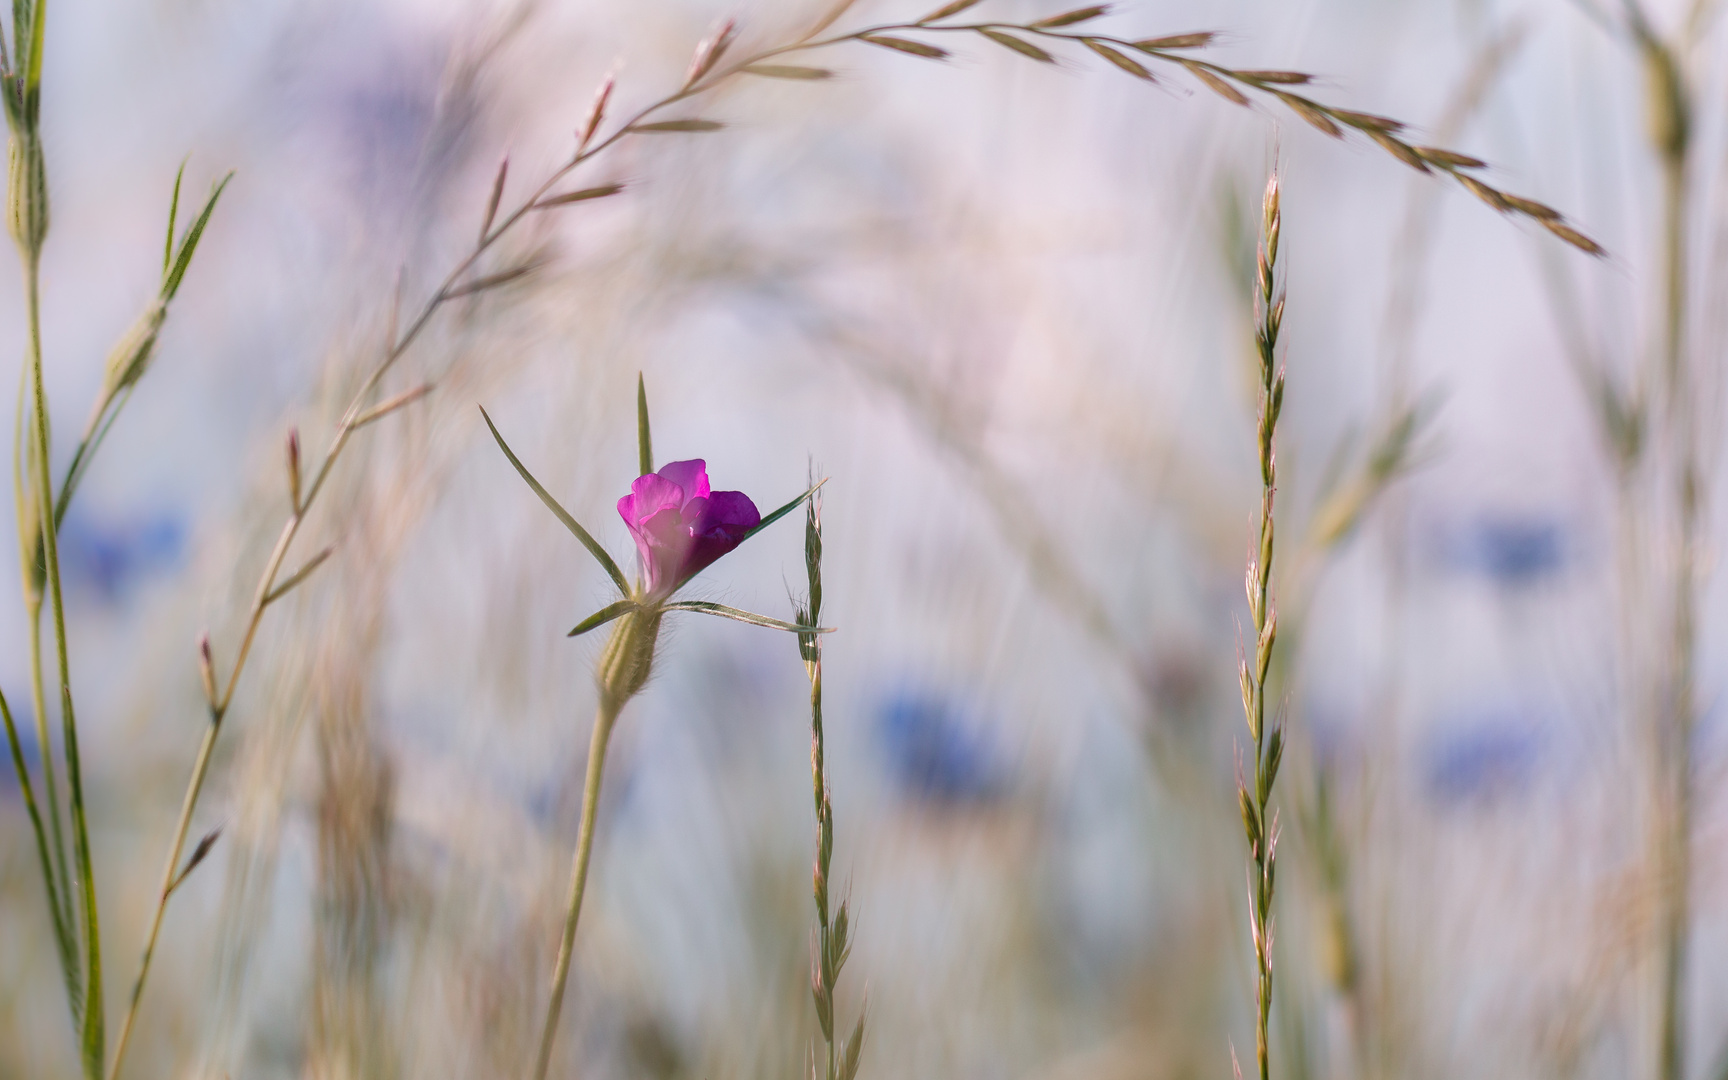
x,y
62,926
1675,844
93,1035
604,718
29,555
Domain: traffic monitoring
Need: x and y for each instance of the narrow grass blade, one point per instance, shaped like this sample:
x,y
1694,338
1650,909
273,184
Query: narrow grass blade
x,y
705,607
788,71
497,196
173,215
198,855
664,126
385,408
298,576
171,281
603,616
563,515
584,195
492,281
783,511
68,950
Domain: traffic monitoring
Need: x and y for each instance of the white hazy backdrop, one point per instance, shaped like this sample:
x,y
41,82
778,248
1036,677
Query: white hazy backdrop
x,y
1004,307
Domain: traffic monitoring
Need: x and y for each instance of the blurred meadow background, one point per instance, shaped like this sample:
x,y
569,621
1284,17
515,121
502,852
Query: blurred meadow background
x,y
1007,309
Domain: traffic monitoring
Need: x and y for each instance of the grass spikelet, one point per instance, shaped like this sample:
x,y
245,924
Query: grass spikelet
x,y
831,944
1024,48
1073,18
1314,114
947,11
1259,819
1214,83
672,127
1177,41
1121,60
905,45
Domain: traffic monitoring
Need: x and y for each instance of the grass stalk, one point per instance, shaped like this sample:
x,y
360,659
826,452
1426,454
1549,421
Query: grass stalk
x,y
27,221
832,946
1259,820
1670,133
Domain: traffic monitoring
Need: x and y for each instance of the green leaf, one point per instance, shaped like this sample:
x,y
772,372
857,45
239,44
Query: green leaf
x,y
171,283
563,515
644,440
704,607
677,125
50,879
33,70
1024,48
603,616
787,71
916,48
783,511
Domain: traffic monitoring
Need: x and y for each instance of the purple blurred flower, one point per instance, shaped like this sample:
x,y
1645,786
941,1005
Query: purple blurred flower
x,y
680,525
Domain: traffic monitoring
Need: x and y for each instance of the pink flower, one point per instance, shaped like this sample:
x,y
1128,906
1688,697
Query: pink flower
x,y
680,525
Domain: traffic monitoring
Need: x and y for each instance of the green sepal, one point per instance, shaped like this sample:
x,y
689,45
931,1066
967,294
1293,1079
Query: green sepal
x,y
603,616
706,607
644,438
563,515
783,511
188,244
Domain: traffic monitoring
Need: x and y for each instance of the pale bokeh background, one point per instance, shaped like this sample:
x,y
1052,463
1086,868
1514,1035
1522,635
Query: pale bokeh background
x,y
1004,307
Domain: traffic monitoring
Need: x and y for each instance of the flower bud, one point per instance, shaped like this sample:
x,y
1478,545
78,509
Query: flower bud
x,y
131,356
629,654
27,193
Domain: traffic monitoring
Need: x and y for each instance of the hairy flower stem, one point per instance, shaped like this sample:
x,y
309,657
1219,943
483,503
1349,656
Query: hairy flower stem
x,y
622,672
1259,821
604,718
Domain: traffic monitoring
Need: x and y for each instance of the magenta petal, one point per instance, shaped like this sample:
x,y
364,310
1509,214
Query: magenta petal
x,y
691,476
648,496
733,509
680,526
664,544
717,525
